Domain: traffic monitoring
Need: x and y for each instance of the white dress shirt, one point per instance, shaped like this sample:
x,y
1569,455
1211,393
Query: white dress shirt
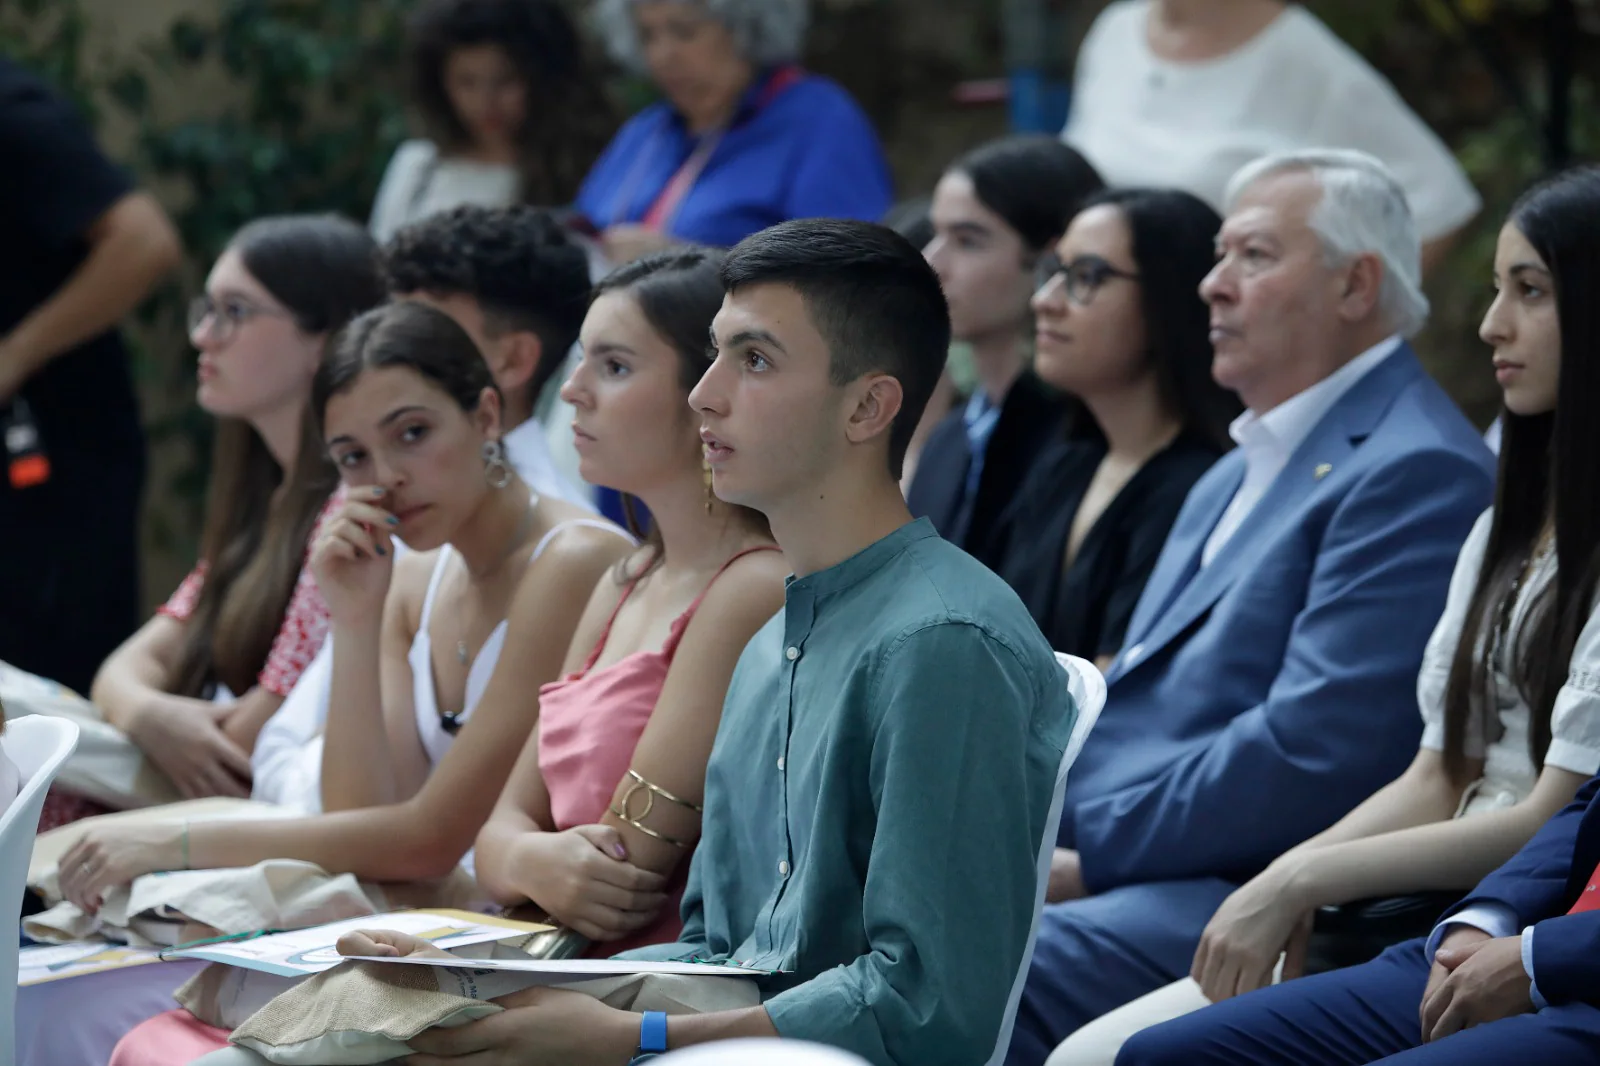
x,y
1268,440
528,449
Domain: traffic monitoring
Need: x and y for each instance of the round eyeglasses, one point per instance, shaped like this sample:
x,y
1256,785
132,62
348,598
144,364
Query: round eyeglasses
x,y
225,315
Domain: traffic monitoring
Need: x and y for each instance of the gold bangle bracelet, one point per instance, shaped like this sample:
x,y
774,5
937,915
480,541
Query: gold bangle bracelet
x,y
659,791
647,831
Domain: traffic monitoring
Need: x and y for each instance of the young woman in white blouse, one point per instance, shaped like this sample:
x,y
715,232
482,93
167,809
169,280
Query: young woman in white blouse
x,y
1510,681
513,111
1182,93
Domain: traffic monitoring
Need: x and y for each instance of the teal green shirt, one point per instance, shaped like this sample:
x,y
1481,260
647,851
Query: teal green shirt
x,y
875,803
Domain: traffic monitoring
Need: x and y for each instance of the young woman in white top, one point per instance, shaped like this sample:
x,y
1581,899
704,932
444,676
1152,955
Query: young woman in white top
x,y
426,716
512,109
1182,93
1510,681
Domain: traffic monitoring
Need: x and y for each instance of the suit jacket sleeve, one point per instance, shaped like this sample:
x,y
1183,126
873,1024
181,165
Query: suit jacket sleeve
x,y
1566,958
1533,882
1338,721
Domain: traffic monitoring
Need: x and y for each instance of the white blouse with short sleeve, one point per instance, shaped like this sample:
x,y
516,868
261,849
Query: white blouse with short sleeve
x,y
1145,121
420,182
1508,773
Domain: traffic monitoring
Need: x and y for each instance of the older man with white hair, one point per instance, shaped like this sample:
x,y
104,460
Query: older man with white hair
x,y
1266,685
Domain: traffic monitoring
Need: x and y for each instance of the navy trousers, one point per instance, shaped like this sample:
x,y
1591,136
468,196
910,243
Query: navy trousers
x,y
1366,1014
1095,954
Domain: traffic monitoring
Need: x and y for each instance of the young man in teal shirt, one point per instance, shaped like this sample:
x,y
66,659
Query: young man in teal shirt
x,y
878,793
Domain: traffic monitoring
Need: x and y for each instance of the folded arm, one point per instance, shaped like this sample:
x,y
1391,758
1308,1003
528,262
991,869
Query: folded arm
x,y
1447,853
515,862
131,246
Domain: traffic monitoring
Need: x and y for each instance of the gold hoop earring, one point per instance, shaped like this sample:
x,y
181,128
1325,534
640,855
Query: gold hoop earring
x,y
496,471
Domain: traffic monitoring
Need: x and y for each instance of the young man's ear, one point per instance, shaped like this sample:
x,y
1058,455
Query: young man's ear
x,y
878,401
518,355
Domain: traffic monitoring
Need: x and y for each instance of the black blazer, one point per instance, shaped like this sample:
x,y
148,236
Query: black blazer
x,y
1030,416
1084,610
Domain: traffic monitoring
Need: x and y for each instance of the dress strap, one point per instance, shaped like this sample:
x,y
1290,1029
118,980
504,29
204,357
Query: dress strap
x,y
681,625
605,633
433,587
595,523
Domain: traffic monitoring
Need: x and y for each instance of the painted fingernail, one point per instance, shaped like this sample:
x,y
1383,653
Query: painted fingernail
x,y
394,520
619,851
381,551
378,490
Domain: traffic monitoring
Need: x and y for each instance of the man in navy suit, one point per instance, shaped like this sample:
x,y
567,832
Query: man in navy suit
x,y
1268,678
1477,991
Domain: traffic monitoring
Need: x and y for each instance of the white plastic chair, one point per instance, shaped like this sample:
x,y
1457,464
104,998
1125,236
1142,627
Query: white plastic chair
x,y
1088,690
37,745
762,1052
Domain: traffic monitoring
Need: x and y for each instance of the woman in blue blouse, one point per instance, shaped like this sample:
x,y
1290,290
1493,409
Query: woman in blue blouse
x,y
743,138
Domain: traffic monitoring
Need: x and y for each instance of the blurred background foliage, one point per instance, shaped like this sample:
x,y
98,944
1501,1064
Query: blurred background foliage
x,y
231,109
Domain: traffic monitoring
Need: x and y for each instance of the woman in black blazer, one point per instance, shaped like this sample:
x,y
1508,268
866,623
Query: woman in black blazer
x,y
1121,330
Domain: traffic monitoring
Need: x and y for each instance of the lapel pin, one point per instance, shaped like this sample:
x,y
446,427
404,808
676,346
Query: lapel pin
x,y
1323,470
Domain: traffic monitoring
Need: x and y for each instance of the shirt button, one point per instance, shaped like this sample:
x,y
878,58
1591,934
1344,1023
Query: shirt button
x,y
780,764
783,868
792,654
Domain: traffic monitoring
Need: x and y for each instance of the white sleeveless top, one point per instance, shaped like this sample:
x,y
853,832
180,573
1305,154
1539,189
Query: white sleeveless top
x,y
424,694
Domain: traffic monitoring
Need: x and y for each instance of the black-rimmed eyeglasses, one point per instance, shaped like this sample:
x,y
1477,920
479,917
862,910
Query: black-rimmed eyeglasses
x,y
1082,276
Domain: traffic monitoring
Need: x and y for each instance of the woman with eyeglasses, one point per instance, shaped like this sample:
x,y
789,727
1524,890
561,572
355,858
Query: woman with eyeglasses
x,y
194,685
1122,331
995,211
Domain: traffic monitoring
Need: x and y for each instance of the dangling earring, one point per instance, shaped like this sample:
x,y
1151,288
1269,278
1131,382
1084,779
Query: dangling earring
x,y
705,468
496,471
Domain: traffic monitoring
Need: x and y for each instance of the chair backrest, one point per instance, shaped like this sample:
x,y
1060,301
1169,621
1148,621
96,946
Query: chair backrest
x,y
1088,690
37,745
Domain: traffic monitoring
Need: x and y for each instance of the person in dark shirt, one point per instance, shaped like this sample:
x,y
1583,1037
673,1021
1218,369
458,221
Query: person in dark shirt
x,y
82,248
1122,331
995,212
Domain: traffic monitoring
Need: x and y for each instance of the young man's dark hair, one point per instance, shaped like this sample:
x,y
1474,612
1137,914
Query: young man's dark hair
x,y
518,264
872,297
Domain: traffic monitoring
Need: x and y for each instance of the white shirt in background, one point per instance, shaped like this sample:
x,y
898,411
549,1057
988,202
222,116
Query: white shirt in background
x,y
419,183
1144,121
1268,440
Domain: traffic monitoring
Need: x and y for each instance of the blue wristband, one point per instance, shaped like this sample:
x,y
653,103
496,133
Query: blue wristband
x,y
652,1033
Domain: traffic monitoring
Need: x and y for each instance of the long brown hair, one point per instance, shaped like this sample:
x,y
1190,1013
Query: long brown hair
x,y
324,270
1547,464
679,292
569,119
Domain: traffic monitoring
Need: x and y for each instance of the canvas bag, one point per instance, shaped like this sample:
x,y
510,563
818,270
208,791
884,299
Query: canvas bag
x,y
107,767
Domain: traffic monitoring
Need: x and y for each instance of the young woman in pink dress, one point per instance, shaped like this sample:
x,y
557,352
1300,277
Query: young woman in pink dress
x,y
601,814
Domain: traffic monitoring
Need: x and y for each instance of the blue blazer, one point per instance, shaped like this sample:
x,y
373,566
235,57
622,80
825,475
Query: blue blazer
x,y
1259,699
1540,884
